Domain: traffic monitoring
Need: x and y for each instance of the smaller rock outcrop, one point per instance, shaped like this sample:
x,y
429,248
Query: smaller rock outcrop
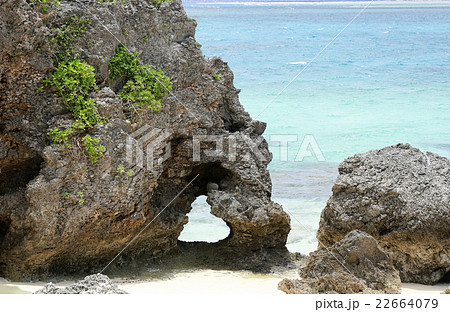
x,y
401,196
447,291
92,284
356,264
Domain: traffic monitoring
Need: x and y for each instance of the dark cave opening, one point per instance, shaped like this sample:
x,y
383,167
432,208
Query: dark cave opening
x,y
18,174
209,173
445,278
4,226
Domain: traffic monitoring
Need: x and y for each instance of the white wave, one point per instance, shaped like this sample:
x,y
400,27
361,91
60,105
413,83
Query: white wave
x,y
297,63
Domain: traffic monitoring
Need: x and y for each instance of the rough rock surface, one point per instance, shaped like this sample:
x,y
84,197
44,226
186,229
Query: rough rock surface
x,y
93,284
447,291
43,226
401,196
368,269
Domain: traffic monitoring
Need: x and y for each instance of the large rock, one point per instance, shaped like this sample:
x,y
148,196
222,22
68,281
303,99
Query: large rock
x,y
401,196
93,284
356,264
60,213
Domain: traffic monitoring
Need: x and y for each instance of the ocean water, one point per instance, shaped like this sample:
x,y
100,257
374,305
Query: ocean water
x,y
385,79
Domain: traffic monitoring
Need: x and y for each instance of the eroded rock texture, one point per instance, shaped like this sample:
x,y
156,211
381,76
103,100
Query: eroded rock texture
x,y
44,227
93,284
401,196
356,264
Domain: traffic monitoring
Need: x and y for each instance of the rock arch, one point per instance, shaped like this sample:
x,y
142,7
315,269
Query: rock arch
x,y
73,216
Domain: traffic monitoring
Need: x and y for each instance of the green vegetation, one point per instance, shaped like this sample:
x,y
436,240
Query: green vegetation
x,y
123,64
64,194
157,3
145,86
95,151
80,197
120,170
63,39
45,4
73,80
216,77
124,31
146,89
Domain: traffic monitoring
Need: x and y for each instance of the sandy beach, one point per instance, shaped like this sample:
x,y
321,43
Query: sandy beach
x,y
206,282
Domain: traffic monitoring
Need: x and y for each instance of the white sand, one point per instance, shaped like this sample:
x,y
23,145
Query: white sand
x,y
410,288
208,282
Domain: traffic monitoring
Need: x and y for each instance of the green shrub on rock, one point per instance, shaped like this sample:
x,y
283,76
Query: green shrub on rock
x,y
62,39
123,64
73,80
95,151
145,86
147,89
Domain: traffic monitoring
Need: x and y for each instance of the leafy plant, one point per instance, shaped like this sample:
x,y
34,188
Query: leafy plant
x,y
62,39
95,151
145,86
64,194
147,89
123,64
216,77
80,197
73,81
120,170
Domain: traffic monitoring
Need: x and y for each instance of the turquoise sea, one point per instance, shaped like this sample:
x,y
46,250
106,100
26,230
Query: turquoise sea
x,y
384,79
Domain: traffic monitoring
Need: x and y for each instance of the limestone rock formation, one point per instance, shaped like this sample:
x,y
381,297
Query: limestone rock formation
x,y
59,212
401,196
93,284
356,264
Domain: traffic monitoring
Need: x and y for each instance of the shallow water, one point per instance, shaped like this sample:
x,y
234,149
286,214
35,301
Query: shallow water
x,y
384,80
